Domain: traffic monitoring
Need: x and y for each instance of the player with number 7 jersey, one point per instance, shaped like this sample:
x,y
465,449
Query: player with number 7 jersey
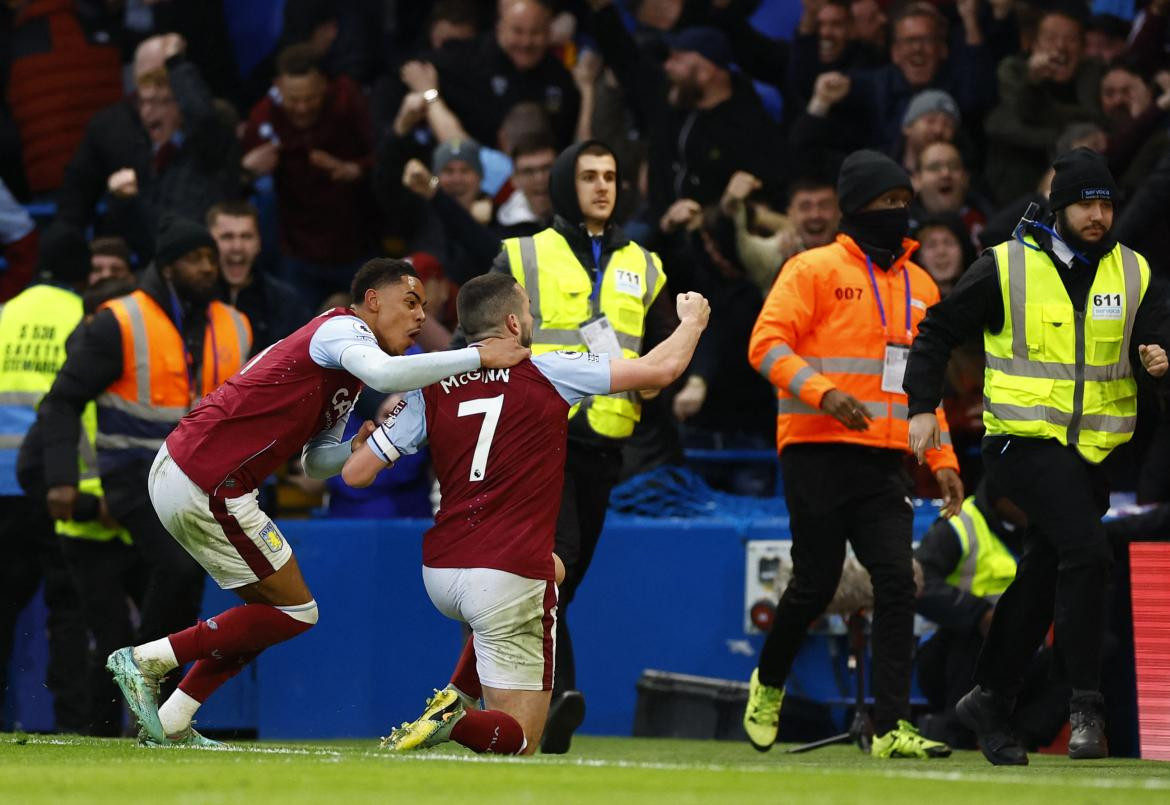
x,y
497,439
203,481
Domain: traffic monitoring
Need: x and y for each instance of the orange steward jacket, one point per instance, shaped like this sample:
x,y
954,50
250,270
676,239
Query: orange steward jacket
x,y
821,328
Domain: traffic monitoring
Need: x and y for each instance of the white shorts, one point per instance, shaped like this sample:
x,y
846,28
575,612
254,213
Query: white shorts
x,y
513,619
232,538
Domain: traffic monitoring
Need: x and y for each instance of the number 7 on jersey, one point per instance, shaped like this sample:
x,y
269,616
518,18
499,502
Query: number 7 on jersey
x,y
490,407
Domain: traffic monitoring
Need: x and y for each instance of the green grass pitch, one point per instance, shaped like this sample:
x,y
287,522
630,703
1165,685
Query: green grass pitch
x,y
56,769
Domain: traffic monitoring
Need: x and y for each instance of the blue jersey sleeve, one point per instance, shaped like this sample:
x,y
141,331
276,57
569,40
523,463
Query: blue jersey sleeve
x,y
404,431
575,375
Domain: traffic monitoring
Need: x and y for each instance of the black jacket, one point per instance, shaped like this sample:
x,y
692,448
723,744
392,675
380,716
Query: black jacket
x,y
440,227
1143,221
204,169
939,554
692,153
976,304
480,84
472,246
93,363
740,401
273,307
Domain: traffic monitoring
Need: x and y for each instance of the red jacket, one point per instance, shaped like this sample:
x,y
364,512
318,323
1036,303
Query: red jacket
x,y
58,82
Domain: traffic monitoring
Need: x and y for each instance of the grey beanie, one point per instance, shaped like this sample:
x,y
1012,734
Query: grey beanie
x,y
463,150
927,101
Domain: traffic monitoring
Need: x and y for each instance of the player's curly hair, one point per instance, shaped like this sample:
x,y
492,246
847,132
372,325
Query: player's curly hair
x,y
379,272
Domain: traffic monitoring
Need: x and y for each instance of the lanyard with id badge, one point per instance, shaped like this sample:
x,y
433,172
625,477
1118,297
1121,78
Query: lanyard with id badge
x,y
894,363
598,333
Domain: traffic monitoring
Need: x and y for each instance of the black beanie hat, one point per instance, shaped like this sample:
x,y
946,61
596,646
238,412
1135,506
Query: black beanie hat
x,y
178,236
63,254
864,176
1081,175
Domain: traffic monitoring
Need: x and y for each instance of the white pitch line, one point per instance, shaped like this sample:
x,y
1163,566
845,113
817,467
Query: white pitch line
x,y
1016,778
1157,784
945,776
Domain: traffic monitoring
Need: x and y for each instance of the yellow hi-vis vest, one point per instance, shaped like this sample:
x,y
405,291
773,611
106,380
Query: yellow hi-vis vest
x,y
986,567
34,327
561,292
90,482
1054,373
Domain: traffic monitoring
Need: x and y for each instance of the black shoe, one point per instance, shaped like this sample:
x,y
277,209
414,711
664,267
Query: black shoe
x,y
988,715
564,716
1086,740
946,728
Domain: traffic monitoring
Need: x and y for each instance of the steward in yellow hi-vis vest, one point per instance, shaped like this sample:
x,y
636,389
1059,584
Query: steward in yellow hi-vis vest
x,y
34,329
145,359
967,562
567,307
974,552
592,289
986,567
34,326
1069,330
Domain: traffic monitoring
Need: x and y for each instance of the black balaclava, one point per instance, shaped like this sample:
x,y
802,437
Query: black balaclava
x,y
864,176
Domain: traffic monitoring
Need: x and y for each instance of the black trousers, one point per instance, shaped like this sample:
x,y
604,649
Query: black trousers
x,y
110,576
173,594
945,665
1063,573
30,551
591,472
155,574
838,493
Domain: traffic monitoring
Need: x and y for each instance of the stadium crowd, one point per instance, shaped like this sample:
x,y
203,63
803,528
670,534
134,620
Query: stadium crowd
x,y
135,134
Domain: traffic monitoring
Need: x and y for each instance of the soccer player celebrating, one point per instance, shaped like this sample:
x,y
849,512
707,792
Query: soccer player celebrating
x,y
498,439
204,479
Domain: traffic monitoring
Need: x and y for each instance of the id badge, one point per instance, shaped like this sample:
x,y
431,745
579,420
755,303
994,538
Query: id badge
x,y
600,337
1107,307
894,368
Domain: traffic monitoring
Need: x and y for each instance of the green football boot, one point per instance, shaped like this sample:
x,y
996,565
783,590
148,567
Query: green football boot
x,y
433,727
906,741
761,718
188,737
140,691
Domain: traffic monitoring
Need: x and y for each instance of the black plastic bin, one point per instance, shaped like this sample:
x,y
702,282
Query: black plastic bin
x,y
683,706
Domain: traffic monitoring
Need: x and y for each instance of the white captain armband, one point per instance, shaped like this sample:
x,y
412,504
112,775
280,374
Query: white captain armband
x,y
380,443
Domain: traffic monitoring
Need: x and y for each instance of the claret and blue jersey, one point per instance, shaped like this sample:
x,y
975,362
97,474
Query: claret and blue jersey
x,y
497,439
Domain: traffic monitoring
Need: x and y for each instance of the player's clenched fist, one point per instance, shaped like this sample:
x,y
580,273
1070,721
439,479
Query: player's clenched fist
x,y
693,307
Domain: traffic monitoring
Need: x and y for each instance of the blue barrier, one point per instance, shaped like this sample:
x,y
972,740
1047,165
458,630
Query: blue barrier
x,y
664,594
731,456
